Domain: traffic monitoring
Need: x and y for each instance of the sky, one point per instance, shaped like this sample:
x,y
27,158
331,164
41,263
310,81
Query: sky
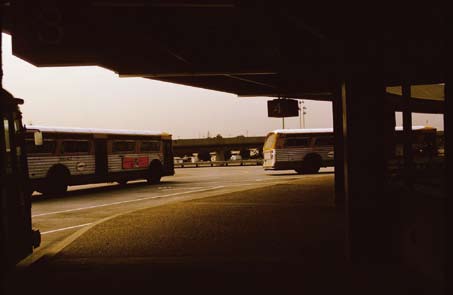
x,y
95,97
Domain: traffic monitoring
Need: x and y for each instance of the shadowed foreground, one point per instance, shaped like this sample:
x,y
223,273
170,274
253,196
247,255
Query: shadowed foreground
x,y
284,239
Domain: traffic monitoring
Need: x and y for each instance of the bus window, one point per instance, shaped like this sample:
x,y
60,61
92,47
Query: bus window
x,y
324,141
48,147
75,147
150,146
123,146
297,142
270,141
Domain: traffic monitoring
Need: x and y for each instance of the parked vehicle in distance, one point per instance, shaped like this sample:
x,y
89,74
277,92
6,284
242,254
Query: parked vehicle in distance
x,y
58,157
307,150
235,157
178,160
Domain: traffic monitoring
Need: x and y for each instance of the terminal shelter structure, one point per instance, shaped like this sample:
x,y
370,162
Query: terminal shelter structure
x,y
367,60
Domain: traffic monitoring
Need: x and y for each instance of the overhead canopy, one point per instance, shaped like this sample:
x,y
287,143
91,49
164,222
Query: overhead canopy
x,y
250,48
430,92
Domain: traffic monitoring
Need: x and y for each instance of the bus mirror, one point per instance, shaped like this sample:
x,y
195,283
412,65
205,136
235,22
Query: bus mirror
x,y
38,138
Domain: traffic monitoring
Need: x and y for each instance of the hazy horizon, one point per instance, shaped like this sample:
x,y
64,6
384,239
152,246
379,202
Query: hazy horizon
x,y
95,97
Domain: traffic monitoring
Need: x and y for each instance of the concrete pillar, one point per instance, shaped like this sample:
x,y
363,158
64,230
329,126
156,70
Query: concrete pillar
x,y
220,155
368,125
337,111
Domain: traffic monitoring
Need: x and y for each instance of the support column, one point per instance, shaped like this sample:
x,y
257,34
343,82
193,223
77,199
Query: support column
x,y
220,155
337,111
407,135
368,125
448,133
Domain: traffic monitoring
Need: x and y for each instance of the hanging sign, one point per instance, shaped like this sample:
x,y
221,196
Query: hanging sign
x,y
280,108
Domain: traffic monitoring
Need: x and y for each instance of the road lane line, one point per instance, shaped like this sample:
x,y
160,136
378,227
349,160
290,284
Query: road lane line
x,y
65,228
128,201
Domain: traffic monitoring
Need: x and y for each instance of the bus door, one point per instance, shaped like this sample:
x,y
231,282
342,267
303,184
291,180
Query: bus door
x,y
100,150
168,157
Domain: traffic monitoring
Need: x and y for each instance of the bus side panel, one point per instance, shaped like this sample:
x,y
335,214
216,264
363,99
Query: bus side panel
x,y
293,157
80,166
77,165
291,154
120,162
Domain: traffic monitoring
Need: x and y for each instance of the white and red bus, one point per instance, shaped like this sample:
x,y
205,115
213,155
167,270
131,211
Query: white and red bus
x,y
307,150
58,157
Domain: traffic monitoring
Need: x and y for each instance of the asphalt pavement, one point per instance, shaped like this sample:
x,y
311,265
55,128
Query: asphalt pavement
x,y
58,217
280,239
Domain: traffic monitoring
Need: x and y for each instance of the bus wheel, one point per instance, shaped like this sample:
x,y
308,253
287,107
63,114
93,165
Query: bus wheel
x,y
155,172
57,181
311,164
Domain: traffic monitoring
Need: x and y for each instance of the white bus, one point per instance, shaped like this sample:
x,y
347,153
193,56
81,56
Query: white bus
x,y
58,157
303,150
307,150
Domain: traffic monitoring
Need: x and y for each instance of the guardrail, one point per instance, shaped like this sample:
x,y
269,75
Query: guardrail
x,y
256,162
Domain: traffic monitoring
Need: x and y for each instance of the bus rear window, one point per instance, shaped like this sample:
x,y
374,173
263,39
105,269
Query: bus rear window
x,y
75,147
123,146
297,142
150,146
48,147
270,141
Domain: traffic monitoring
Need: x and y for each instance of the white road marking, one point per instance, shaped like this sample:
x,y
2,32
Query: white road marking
x,y
65,228
167,188
128,201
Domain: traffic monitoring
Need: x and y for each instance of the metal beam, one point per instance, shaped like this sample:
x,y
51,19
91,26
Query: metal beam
x,y
237,77
196,74
323,96
163,4
416,105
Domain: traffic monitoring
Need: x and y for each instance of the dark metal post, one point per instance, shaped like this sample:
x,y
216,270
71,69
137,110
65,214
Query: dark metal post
x,y
2,234
407,134
1,47
448,133
368,125
337,111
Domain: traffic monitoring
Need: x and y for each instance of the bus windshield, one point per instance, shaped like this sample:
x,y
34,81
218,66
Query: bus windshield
x,y
270,141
